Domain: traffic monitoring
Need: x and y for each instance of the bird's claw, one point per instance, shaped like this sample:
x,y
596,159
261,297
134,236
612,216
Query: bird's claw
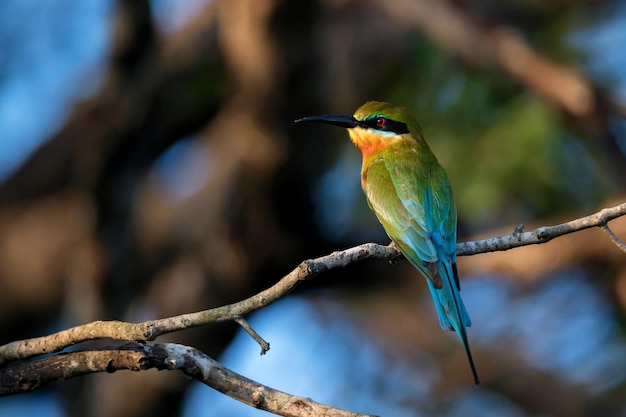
x,y
393,245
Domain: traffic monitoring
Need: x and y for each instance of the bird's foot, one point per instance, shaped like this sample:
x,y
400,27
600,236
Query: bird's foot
x,y
394,261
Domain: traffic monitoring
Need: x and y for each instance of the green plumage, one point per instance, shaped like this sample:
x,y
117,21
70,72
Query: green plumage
x,y
410,194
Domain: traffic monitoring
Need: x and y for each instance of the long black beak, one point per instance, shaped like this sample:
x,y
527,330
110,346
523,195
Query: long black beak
x,y
342,121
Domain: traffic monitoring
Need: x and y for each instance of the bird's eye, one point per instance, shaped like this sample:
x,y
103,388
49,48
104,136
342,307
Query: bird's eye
x,y
381,122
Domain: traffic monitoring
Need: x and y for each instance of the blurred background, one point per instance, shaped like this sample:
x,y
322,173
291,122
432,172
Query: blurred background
x,y
149,167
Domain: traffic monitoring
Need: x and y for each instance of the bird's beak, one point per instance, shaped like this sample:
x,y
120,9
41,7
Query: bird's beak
x,y
342,121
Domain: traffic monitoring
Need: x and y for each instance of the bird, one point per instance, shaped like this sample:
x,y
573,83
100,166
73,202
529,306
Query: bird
x,y
410,194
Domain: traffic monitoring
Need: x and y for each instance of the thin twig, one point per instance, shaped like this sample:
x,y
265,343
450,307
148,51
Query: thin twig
x,y
246,326
618,242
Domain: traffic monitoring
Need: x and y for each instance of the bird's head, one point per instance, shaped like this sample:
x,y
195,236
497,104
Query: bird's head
x,y
375,125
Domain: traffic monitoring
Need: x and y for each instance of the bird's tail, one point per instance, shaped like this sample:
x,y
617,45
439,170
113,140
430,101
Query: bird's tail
x,y
450,308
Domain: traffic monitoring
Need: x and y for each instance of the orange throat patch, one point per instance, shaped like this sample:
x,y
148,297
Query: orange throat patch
x,y
368,142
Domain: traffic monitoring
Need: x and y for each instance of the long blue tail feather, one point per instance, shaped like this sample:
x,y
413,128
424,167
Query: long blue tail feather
x,y
451,309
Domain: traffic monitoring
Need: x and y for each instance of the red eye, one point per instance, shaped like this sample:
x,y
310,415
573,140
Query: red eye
x,y
381,122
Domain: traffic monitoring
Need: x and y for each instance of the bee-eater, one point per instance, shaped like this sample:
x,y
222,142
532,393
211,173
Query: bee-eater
x,y
411,196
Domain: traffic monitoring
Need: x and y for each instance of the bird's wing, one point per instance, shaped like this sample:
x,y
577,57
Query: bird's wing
x,y
414,204
413,201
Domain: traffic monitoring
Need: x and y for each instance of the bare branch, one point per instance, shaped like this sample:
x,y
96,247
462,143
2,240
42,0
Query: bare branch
x,y
541,234
618,242
246,326
29,376
150,330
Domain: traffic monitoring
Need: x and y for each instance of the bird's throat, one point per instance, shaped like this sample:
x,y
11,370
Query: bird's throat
x,y
370,143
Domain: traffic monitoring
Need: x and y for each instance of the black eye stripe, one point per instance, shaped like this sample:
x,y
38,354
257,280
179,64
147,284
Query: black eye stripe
x,y
387,125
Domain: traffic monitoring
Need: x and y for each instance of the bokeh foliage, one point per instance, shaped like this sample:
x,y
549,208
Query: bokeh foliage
x,y
175,180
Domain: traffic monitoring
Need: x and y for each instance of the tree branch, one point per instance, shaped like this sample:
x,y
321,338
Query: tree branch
x,y
541,234
253,334
618,242
29,376
150,330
